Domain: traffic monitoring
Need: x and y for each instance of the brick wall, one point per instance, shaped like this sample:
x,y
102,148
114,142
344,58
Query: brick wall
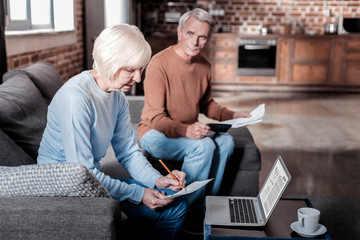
x,y
68,59
242,16
248,16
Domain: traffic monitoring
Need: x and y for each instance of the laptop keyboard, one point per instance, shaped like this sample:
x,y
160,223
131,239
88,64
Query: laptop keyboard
x,y
242,211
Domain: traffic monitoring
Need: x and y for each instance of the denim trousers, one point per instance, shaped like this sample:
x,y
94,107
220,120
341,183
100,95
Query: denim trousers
x,y
202,158
165,222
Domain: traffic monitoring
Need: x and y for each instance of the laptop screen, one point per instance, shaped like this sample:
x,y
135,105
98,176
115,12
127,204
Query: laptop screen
x,y
274,186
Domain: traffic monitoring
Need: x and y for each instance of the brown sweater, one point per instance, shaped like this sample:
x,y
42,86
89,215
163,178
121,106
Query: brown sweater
x,y
176,91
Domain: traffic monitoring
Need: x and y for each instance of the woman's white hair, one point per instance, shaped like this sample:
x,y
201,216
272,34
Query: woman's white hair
x,y
120,46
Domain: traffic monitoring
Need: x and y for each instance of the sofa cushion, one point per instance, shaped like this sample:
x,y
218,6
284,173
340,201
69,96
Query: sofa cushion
x,y
60,218
136,105
50,180
44,76
22,112
11,154
245,149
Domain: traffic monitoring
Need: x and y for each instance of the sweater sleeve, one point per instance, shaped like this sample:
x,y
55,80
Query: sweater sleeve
x,y
128,152
212,109
75,127
76,134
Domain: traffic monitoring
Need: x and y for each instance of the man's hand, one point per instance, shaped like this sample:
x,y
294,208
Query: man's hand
x,y
242,114
169,182
197,130
153,199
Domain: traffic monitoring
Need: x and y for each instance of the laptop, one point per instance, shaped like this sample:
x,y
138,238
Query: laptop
x,y
249,211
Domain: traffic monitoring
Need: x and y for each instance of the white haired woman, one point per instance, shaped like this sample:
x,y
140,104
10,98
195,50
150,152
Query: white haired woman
x,y
90,111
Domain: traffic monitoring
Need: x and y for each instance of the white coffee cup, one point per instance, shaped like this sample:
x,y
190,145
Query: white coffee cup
x,y
308,219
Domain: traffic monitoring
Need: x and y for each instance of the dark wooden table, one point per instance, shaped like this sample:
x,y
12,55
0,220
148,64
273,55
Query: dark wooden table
x,y
278,225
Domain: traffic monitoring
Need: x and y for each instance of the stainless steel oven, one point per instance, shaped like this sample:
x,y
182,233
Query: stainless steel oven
x,y
257,56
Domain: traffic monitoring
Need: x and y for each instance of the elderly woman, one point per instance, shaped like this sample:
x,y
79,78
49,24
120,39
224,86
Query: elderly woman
x,y
90,111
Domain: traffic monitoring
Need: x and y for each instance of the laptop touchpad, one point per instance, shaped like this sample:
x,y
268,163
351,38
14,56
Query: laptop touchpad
x,y
219,211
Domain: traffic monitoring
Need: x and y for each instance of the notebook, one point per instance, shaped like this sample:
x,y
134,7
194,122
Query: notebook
x,y
249,211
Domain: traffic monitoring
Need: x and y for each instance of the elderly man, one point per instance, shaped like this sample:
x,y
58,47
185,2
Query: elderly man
x,y
177,88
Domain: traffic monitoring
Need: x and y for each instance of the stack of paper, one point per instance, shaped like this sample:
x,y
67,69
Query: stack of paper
x,y
189,188
256,116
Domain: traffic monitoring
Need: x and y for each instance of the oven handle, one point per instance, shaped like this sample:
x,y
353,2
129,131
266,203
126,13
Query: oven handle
x,y
256,47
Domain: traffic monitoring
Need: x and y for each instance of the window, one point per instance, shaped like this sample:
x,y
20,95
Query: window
x,y
24,15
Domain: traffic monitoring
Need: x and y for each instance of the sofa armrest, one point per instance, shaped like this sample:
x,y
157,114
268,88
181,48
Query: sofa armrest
x,y
44,75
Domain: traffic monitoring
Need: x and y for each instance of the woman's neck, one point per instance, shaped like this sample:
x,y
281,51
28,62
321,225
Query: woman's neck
x,y
98,79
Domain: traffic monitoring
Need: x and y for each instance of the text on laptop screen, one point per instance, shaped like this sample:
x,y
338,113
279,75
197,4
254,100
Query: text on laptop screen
x,y
272,188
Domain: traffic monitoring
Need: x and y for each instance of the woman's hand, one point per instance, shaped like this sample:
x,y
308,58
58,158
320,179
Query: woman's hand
x,y
169,182
153,199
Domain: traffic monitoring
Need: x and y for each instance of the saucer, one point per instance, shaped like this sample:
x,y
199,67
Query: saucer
x,y
319,230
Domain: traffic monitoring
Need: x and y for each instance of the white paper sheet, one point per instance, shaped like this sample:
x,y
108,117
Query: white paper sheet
x,y
190,188
256,116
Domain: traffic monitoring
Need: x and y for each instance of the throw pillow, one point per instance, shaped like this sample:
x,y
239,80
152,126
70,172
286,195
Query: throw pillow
x,y
50,180
22,112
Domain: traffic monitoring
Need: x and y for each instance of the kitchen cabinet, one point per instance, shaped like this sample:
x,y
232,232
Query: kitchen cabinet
x,y
223,54
310,61
351,62
306,60
345,64
303,63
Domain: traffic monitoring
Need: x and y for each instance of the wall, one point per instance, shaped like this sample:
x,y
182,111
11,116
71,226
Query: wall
x,y
242,16
64,50
247,16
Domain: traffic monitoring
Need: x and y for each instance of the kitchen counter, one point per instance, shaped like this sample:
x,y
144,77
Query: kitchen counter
x,y
303,63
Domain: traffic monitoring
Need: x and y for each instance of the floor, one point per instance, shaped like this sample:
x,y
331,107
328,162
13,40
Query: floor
x,y
318,136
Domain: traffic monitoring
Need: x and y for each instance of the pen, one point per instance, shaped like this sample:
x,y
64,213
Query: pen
x,y
171,173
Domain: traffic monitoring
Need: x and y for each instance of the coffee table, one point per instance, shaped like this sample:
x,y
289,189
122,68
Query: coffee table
x,y
278,226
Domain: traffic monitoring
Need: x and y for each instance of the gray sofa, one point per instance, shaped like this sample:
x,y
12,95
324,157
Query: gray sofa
x,y
46,202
